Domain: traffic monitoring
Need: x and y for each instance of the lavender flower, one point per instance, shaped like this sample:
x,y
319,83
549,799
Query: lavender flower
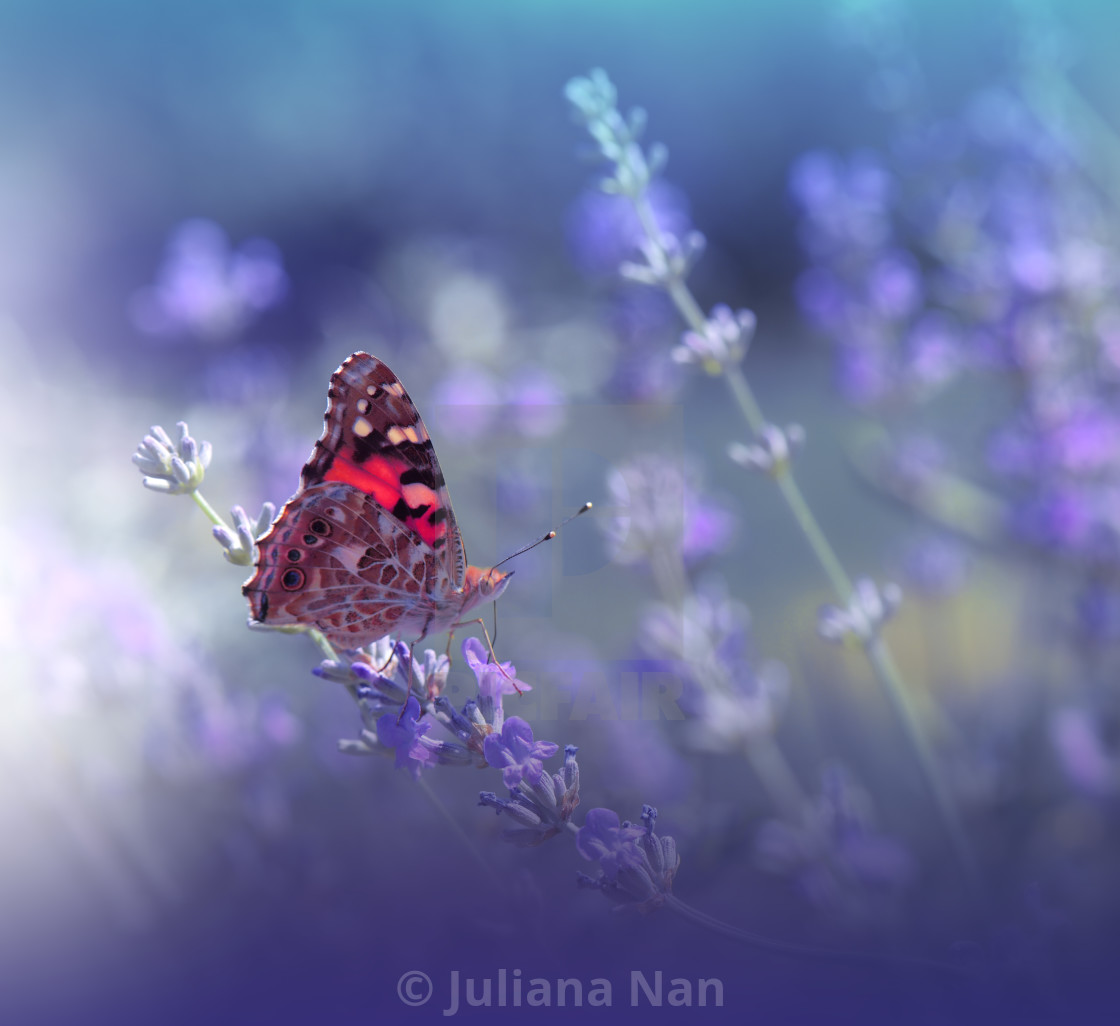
x,y
772,452
404,733
604,230
239,545
723,341
664,262
174,468
667,258
637,867
384,674
206,289
664,510
706,631
541,808
834,852
494,681
1086,758
728,702
516,754
935,565
867,610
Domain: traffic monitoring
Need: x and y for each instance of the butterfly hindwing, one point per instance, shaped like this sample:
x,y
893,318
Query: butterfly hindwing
x,y
336,560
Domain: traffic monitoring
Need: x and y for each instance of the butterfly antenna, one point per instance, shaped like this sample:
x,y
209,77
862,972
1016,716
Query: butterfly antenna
x,y
548,537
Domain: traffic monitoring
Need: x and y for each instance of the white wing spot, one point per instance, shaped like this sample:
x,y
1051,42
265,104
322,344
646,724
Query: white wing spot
x,y
371,390
417,494
399,435
362,405
362,427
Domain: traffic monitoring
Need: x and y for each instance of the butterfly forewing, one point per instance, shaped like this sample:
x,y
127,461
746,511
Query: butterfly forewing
x,y
373,438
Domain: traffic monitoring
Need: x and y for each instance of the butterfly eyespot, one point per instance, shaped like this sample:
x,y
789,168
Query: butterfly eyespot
x,y
320,527
310,539
294,555
293,580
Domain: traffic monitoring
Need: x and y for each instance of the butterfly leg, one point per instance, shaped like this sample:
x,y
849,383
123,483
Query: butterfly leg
x,y
392,655
490,646
408,692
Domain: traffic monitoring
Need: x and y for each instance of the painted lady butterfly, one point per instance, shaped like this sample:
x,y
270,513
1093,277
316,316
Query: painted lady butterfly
x,y
368,545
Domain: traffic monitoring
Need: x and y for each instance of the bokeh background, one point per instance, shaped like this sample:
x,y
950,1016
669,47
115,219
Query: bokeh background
x,y
205,207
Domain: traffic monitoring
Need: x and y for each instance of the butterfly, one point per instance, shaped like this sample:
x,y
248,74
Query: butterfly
x,y
368,546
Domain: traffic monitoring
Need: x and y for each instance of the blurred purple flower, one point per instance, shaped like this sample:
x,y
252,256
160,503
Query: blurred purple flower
x,y
834,853
707,632
664,510
536,403
1098,610
935,566
604,230
1078,742
822,297
1085,442
645,324
466,403
895,285
205,289
935,354
845,205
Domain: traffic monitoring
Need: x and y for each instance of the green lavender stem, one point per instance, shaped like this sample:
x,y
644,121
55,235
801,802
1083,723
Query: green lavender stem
x,y
211,514
878,655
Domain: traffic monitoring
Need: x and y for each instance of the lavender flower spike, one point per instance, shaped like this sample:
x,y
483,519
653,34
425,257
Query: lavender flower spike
x,y
724,340
494,681
175,468
405,733
516,754
540,810
868,609
772,452
240,544
638,866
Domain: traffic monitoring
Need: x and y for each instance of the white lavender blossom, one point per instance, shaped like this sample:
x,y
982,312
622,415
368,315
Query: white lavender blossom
x,y
175,468
772,452
868,609
725,339
239,545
